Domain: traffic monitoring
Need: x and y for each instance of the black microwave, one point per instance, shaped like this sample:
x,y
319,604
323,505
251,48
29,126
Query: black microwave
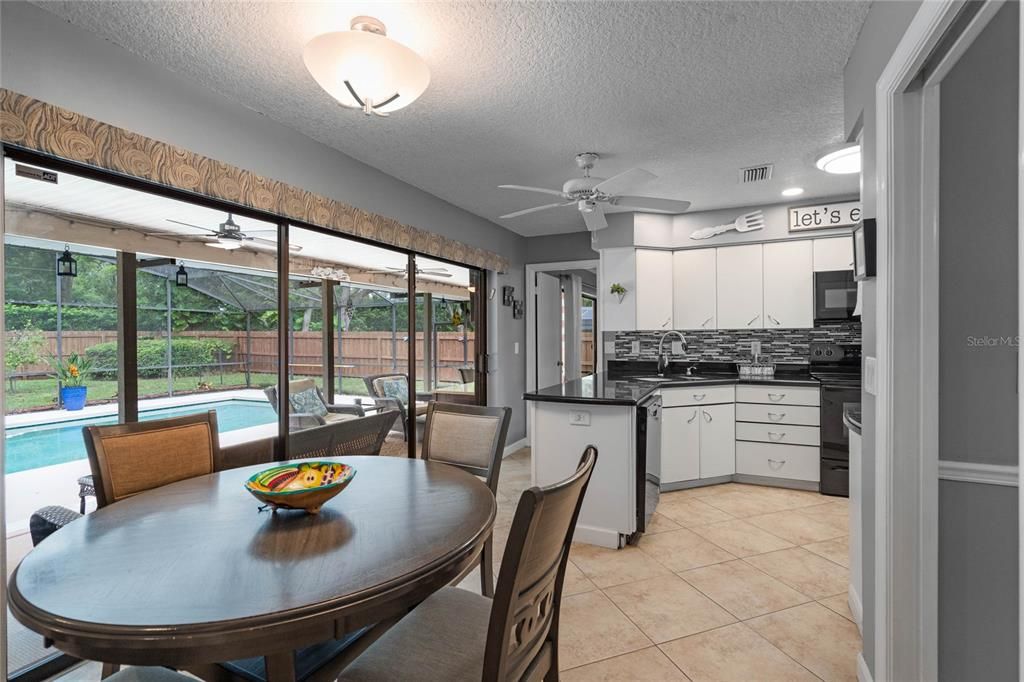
x,y
835,295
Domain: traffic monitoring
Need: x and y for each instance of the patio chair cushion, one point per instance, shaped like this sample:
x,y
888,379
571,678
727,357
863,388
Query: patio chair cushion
x,y
444,638
335,417
396,387
308,402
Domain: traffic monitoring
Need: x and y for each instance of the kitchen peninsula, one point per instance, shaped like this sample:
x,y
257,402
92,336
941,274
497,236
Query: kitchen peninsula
x,y
659,433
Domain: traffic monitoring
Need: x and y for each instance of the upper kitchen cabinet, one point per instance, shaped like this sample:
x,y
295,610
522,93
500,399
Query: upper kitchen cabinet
x,y
653,289
694,290
788,285
646,275
740,287
833,253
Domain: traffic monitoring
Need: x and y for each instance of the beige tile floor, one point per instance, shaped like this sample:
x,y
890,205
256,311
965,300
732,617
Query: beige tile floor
x,y
731,583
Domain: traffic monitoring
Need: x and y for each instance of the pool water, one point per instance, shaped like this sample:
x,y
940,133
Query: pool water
x,y
40,445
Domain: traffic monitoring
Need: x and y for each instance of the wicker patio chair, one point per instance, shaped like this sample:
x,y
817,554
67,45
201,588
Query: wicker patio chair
x,y
306,420
393,389
361,436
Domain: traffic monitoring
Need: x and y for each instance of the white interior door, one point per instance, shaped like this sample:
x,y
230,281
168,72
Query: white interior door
x,y
548,331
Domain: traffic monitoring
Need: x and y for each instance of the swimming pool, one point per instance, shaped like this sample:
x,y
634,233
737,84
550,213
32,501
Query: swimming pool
x,y
40,445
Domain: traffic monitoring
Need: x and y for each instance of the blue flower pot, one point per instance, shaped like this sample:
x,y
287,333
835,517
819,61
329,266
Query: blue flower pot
x,y
73,397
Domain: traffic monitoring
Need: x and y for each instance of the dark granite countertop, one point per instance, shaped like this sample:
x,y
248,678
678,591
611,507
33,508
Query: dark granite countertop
x,y
851,415
629,389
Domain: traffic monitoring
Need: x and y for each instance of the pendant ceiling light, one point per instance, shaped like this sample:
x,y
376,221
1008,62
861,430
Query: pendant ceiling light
x,y
364,69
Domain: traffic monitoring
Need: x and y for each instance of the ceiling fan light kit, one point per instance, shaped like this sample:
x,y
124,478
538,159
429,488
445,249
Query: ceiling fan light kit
x,y
590,195
364,69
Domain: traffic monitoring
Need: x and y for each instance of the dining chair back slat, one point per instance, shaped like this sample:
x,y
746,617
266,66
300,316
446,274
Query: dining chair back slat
x,y
522,636
127,459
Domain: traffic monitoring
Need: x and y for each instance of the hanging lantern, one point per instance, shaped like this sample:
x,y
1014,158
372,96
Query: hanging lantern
x,y
181,277
67,266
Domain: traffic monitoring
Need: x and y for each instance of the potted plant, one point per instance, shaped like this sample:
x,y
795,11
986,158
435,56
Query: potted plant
x,y
619,291
71,374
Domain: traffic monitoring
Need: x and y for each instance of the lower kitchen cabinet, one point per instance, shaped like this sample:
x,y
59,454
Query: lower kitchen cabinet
x,y
697,441
717,440
680,443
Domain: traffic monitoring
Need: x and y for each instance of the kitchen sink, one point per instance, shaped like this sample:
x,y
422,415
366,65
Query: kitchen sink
x,y
661,380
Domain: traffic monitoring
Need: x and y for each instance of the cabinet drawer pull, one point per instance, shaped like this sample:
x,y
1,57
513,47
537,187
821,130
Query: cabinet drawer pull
x,y
690,420
776,464
753,320
699,396
705,322
776,397
774,321
772,436
776,416
665,323
707,417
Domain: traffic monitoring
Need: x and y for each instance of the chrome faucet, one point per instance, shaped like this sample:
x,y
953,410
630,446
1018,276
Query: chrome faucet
x,y
662,359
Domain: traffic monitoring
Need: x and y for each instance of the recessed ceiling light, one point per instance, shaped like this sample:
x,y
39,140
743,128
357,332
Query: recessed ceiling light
x,y
792,191
844,160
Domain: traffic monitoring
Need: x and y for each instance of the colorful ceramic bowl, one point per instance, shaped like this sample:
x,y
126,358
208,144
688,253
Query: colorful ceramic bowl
x,y
300,485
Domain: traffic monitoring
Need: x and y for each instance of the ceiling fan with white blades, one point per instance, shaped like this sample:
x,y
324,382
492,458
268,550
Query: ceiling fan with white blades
x,y
591,195
429,272
229,236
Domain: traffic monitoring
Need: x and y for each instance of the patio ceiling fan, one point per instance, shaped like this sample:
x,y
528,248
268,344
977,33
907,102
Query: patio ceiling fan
x,y
590,195
430,272
229,236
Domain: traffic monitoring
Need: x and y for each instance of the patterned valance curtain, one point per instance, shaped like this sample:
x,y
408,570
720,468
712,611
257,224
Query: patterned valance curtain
x,y
42,127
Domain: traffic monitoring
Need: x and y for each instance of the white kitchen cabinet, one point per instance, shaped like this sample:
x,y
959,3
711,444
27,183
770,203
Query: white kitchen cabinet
x,y
694,290
653,289
833,253
740,287
717,440
788,285
680,444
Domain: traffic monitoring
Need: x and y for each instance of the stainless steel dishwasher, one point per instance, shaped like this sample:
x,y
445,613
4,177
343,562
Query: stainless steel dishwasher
x,y
648,463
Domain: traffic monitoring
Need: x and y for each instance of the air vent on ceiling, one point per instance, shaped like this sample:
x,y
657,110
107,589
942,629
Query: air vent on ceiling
x,y
756,173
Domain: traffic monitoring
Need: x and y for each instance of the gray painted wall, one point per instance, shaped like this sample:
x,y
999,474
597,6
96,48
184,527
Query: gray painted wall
x,y
47,58
978,588
882,30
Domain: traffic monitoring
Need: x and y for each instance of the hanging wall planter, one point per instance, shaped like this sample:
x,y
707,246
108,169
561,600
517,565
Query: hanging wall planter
x,y
619,291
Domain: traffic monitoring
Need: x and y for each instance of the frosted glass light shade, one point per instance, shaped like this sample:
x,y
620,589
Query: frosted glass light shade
x,y
366,70
844,160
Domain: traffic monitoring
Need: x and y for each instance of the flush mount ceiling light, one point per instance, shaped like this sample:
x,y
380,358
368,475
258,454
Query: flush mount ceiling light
x,y
364,69
792,191
841,161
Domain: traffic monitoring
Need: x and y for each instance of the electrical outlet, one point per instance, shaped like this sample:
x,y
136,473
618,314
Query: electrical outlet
x,y
515,348
579,418
755,348
634,347
609,348
677,348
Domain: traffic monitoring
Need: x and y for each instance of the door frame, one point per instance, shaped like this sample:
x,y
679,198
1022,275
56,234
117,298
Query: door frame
x,y
906,367
528,301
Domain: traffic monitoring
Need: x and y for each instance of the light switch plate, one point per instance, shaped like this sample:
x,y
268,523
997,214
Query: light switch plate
x,y
634,347
871,374
515,348
677,347
579,418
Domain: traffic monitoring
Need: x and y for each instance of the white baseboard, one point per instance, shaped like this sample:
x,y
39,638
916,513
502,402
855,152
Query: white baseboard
x,y
515,447
602,537
863,674
988,474
856,608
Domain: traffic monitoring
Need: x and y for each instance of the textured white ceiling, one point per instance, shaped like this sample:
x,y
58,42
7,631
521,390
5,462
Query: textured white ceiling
x,y
691,91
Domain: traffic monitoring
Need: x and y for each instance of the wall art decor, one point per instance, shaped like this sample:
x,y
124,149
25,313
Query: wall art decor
x,y
748,222
507,295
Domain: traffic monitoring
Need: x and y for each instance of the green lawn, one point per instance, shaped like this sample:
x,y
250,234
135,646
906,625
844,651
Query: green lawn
x,y
37,393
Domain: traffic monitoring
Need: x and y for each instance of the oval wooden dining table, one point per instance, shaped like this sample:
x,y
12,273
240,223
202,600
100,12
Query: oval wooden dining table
x,y
194,573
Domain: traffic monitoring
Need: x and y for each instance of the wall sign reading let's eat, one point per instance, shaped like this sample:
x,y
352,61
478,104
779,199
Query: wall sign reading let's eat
x,y
824,216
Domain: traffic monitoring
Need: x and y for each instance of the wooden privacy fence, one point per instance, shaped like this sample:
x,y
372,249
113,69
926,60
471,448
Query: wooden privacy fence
x,y
370,352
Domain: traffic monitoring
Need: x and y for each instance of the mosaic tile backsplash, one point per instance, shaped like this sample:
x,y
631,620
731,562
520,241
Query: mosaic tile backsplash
x,y
778,345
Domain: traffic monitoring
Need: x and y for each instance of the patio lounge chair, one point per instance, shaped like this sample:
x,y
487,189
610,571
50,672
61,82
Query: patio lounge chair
x,y
393,389
308,406
361,436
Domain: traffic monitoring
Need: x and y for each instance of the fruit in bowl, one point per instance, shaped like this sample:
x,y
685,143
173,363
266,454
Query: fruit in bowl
x,y
300,485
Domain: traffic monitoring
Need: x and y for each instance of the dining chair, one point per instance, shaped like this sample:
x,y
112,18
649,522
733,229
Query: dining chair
x,y
361,436
127,459
457,635
393,389
148,674
472,438
307,406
